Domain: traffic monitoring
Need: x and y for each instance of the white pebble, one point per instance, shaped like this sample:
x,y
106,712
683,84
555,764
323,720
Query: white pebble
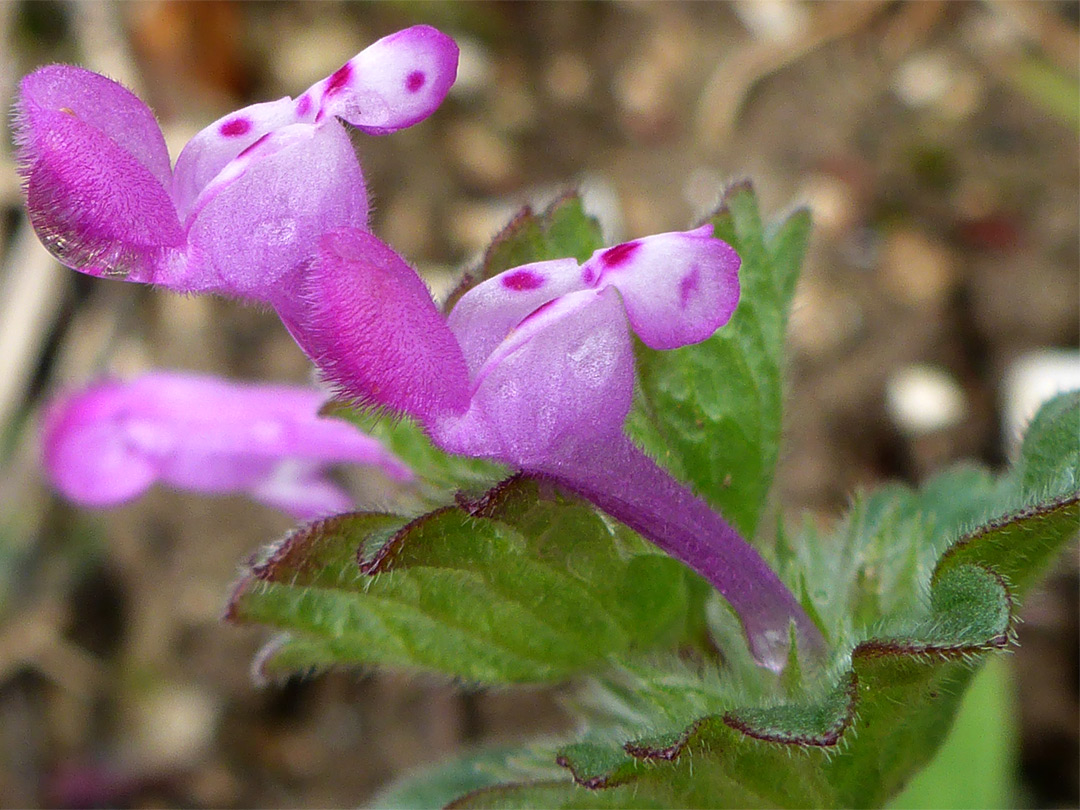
x,y
923,399
924,79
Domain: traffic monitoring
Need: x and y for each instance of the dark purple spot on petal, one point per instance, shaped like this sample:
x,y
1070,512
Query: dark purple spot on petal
x,y
619,255
522,280
235,127
338,80
689,284
415,80
303,105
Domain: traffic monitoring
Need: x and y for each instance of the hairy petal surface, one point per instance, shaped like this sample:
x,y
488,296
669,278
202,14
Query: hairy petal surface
x,y
98,102
485,315
95,207
261,218
110,442
367,320
678,288
392,84
564,377
96,172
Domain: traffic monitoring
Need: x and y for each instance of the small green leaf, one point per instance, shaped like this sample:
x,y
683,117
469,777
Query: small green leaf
x,y
1049,465
854,744
597,766
1045,504
819,724
465,592
712,412
971,607
1019,546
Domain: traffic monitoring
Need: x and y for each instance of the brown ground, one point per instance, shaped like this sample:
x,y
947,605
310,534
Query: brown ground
x,y
946,201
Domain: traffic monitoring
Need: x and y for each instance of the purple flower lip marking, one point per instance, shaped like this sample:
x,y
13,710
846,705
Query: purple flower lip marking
x,y
108,443
337,81
534,368
522,280
619,255
235,127
688,286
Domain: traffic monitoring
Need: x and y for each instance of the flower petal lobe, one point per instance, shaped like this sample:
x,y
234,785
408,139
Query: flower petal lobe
x,y
486,314
564,377
95,205
211,149
394,83
678,288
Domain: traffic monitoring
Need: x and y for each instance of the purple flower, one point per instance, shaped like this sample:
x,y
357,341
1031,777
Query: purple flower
x,y
250,194
108,443
534,368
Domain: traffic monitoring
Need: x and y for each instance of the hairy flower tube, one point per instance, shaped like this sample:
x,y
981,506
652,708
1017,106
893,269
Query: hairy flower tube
x,y
107,444
250,195
534,368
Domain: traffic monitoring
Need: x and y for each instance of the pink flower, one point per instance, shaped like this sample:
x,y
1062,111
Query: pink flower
x,y
534,368
107,444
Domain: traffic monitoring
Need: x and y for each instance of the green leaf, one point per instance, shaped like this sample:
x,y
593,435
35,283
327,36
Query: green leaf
x,y
712,412
875,566
1042,492
976,766
854,744
563,230
1049,465
515,587
915,588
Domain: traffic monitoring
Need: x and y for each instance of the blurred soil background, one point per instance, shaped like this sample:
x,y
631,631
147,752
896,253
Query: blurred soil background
x,y
935,141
